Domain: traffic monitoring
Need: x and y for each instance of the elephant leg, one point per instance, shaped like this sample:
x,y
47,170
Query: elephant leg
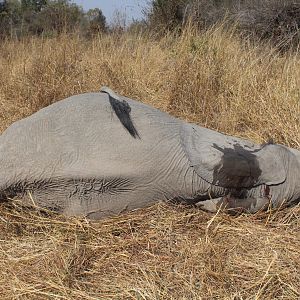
x,y
235,205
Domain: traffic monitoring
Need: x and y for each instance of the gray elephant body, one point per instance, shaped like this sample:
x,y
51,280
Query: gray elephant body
x,y
94,155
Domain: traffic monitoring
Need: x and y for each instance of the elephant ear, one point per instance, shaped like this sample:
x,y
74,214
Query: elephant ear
x,y
231,162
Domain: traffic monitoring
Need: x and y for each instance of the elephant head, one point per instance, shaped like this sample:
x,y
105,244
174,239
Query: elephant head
x,y
293,174
243,168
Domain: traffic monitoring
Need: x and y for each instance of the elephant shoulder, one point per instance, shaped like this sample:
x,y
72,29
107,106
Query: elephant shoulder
x,y
231,162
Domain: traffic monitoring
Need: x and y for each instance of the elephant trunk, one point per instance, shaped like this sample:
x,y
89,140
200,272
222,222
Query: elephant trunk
x,y
289,191
294,173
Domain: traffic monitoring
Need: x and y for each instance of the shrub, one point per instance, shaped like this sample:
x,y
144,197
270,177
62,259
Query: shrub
x,y
276,20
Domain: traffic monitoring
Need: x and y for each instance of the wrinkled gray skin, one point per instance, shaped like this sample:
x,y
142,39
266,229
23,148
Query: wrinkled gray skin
x,y
95,155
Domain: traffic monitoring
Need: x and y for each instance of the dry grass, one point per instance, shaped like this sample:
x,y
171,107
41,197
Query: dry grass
x,y
163,252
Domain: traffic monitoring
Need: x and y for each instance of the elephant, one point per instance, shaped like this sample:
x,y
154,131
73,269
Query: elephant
x,y
100,154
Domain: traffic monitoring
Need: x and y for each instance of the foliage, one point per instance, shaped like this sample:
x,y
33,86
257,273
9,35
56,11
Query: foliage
x,y
275,20
138,27
36,17
165,14
96,21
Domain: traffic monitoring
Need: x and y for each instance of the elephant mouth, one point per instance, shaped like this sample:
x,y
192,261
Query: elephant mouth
x,y
245,201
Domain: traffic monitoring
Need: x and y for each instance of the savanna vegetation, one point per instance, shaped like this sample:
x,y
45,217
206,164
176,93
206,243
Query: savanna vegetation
x,y
47,18
216,76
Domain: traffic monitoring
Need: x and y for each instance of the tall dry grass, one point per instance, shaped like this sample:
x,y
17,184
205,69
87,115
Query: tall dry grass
x,y
215,79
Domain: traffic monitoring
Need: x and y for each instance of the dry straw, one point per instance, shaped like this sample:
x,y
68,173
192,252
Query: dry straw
x,y
164,252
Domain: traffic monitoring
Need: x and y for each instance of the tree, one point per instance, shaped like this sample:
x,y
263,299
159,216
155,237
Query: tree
x,y
4,17
96,21
34,17
10,16
166,14
60,15
35,5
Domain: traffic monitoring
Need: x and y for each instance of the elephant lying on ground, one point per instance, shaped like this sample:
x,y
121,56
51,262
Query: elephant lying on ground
x,y
101,154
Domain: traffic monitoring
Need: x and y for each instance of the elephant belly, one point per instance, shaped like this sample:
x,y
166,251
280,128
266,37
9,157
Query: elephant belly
x,y
91,198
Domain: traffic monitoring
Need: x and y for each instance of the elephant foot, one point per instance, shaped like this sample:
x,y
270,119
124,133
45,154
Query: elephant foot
x,y
235,205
